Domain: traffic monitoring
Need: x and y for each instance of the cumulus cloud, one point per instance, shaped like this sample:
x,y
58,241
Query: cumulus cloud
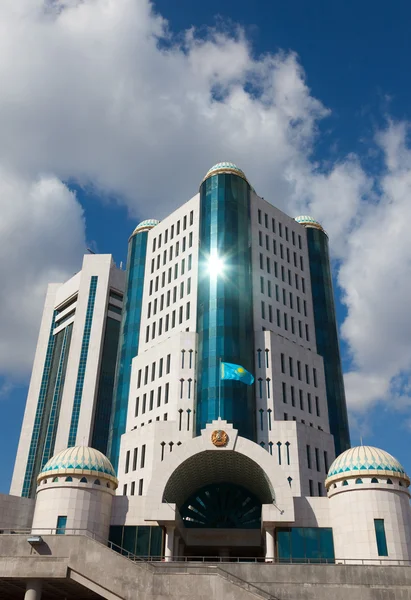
x,y
42,240
101,92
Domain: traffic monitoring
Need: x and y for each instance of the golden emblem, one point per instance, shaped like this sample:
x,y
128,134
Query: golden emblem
x,y
219,437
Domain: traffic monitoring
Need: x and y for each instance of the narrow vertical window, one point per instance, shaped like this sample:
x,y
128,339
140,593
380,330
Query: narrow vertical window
x,y
183,352
290,361
259,216
292,396
181,388
260,385
166,392
268,387
309,403
284,389
317,406
380,537
315,377
279,452
135,455
140,487
262,284
262,310
168,363
133,487
308,450
137,407
190,364
287,447
261,411
143,456
269,411
189,388
326,461
259,358
317,459
301,399
282,363
127,461
159,396
266,358
311,486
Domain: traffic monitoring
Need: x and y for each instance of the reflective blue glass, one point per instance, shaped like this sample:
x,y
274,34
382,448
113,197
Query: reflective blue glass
x,y
129,340
224,315
78,393
61,525
104,400
305,544
381,538
327,336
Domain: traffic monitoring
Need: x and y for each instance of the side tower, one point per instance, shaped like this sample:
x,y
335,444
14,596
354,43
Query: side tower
x,y
70,394
129,334
225,310
326,330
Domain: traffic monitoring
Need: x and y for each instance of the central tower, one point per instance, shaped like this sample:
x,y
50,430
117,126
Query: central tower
x,y
225,309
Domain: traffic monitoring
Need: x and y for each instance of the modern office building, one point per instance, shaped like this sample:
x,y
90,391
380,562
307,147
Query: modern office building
x,y
172,462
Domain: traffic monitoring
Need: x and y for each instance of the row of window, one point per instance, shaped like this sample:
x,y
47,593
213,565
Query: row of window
x,y
70,479
165,418
287,298
302,421
283,322
319,487
299,370
170,445
170,274
286,274
281,228
157,241
141,381
373,480
173,252
133,488
293,398
287,253
283,451
154,330
167,299
132,464
317,459
150,397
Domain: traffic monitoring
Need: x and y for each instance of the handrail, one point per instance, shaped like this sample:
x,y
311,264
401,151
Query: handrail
x,y
194,560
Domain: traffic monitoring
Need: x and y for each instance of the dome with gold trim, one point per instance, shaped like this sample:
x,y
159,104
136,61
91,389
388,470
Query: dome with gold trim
x,y
145,226
227,168
79,460
365,460
307,221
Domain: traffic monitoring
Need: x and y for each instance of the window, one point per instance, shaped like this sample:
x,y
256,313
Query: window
x,y
317,460
127,461
311,486
300,392
285,416
144,403
137,407
284,388
374,480
61,525
139,379
290,361
167,389
270,313
358,480
143,456
269,289
380,537
307,375
262,310
135,455
315,377
140,487
309,402
326,461
168,363
261,261
308,449
191,217
268,265
299,370
282,363
133,488
259,216
262,285
260,238
266,220
292,396
320,489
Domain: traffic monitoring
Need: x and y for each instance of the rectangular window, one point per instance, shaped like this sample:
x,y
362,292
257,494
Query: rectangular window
x,y
174,294
285,416
286,321
133,488
176,271
168,298
282,363
326,461
291,367
292,325
146,375
147,333
191,217
309,402
151,400
159,396
190,259
137,405
284,387
299,370
261,261
317,406
278,318
259,216
187,311
262,310
61,525
315,377
153,371
188,286
143,456
303,284
286,233
262,285
183,266
140,487
167,322
380,537
281,251
181,289
178,228
180,315
270,313
274,247
317,459
307,334
125,489
299,242
168,363
308,449
266,220
284,297
260,238
185,223
139,379
311,485
190,239
267,242
160,327
320,489
166,236
127,461
144,403
292,396
293,237
273,225
275,268
167,389
300,392
307,375
280,229
269,289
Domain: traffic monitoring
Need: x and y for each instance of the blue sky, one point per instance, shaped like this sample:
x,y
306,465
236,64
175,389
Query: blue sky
x,y
119,112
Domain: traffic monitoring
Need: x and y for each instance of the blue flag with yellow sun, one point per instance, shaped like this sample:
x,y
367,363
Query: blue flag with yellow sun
x,y
236,372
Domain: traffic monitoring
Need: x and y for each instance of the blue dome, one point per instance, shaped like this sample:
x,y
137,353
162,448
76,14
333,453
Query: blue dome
x,y
145,226
308,222
225,167
79,460
365,460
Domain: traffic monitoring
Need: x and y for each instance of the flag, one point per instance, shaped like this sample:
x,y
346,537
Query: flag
x,y
236,372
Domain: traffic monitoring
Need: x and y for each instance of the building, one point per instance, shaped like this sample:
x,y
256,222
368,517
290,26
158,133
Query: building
x,y
200,467
70,393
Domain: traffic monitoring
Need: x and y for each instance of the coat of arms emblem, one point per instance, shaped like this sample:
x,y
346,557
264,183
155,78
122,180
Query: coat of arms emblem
x,y
219,437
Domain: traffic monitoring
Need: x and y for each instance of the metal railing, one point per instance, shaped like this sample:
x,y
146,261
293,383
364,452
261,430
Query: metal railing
x,y
195,560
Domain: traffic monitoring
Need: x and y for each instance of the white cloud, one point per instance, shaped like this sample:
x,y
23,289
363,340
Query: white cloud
x,y
42,240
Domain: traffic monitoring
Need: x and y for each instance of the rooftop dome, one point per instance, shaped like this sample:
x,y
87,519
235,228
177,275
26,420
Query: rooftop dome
x,y
227,168
145,226
79,460
365,460
308,222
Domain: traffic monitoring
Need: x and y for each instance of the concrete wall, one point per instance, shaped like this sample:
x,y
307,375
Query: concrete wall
x,y
15,512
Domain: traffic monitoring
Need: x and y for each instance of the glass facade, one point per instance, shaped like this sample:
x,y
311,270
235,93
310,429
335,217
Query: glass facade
x,y
129,340
83,362
30,475
141,540
327,336
99,438
224,316
305,544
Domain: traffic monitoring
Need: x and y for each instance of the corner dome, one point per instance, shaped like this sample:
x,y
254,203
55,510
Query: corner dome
x,y
365,460
228,168
307,221
79,460
145,226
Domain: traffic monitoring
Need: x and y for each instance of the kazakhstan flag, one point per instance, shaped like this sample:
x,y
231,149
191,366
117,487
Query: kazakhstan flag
x,y
237,372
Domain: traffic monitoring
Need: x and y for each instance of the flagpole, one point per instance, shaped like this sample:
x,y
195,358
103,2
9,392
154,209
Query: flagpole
x,y
219,389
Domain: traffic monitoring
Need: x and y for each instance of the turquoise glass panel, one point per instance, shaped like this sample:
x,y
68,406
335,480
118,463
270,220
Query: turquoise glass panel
x,y
143,541
305,544
61,525
326,334
129,340
224,315
381,538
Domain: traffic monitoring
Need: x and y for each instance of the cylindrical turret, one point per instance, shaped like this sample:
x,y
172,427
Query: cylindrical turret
x,y
326,332
129,333
225,316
